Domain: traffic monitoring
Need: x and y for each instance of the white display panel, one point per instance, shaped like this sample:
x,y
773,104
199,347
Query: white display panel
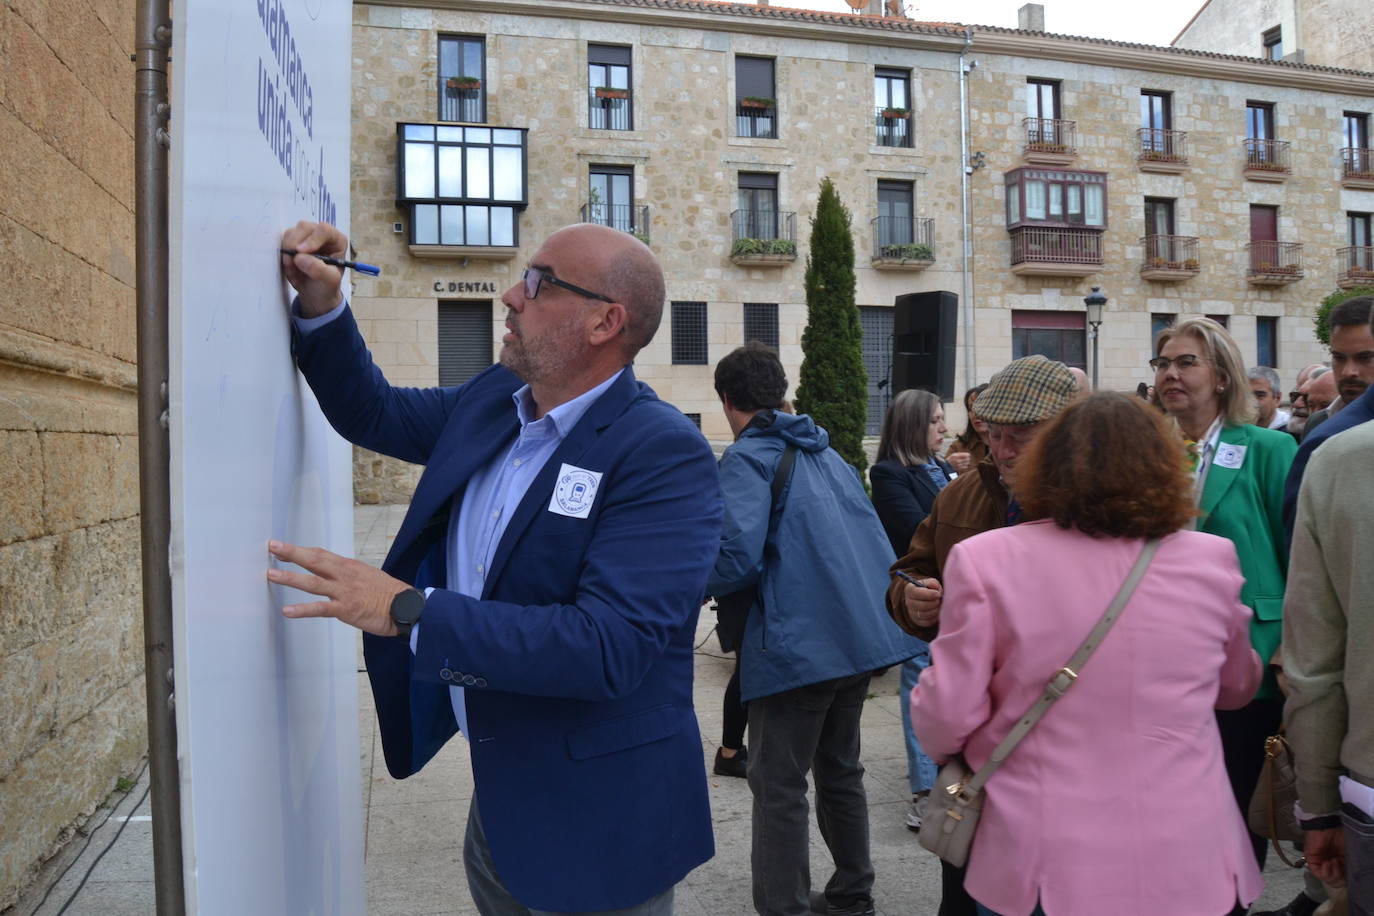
x,y
266,708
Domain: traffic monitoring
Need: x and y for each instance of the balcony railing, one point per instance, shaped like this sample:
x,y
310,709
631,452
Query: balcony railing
x,y
756,120
459,102
1032,244
1159,145
893,126
1355,266
1267,155
625,217
763,235
1051,135
1169,257
1274,261
608,109
1357,164
897,238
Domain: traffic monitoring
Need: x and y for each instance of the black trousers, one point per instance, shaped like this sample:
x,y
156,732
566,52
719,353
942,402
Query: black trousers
x,y
1242,746
735,715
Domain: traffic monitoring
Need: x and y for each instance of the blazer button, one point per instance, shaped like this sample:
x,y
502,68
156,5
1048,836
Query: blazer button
x,y
481,682
469,680
445,674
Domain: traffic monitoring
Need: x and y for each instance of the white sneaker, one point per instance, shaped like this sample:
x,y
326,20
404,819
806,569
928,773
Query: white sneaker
x,y
917,812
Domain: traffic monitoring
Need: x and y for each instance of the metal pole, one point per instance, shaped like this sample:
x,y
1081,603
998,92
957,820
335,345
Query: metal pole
x,y
1096,334
966,288
154,37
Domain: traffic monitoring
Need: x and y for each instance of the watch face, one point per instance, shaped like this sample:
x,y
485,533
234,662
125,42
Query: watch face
x,y
407,606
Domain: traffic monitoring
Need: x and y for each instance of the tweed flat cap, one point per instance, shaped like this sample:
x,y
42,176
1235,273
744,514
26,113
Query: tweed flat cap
x,y
1028,390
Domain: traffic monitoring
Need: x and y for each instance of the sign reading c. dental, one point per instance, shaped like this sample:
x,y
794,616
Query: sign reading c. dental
x,y
266,708
465,286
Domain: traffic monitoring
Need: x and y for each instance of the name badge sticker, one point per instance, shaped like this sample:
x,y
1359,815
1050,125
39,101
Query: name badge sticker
x,y
575,491
1230,456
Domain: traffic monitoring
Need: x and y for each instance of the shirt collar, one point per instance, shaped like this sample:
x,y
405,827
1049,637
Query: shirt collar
x,y
563,417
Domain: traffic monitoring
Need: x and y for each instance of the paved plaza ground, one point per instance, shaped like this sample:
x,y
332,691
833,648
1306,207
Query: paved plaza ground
x,y
415,828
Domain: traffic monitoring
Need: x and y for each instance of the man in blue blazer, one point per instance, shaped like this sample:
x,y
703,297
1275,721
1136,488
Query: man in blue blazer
x,y
562,533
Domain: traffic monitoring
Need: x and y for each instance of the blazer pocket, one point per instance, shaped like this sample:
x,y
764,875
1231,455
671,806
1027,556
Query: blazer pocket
x,y
620,734
1268,608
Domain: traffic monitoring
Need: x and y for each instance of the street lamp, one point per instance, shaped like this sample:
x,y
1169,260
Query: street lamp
x,y
1095,302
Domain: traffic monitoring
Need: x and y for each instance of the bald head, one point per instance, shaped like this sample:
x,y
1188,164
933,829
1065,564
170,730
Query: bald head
x,y
623,268
1080,378
1306,373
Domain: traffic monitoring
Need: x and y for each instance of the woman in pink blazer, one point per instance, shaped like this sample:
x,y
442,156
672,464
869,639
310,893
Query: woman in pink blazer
x,y
1117,802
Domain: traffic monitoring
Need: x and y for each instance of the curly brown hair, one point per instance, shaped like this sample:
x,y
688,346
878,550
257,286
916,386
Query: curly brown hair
x,y
1109,466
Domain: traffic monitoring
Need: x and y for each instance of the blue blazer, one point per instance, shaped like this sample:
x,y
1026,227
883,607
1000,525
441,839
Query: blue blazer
x,y
577,658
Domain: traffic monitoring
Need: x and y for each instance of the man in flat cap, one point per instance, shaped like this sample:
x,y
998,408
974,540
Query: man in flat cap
x,y
1016,405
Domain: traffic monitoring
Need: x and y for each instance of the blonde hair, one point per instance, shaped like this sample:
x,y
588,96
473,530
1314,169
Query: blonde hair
x,y
1236,402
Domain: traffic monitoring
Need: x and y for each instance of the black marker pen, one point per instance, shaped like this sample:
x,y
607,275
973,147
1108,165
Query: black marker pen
x,y
359,266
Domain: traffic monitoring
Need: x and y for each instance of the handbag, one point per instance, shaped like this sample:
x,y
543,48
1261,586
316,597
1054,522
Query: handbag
x,y
732,610
956,804
1271,813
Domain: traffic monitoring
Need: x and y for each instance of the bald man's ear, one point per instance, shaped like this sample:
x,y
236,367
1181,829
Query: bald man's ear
x,y
611,322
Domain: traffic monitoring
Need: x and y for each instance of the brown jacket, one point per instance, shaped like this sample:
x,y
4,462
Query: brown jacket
x,y
973,503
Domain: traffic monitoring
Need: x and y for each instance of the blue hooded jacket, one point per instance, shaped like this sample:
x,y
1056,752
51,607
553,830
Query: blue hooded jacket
x,y
820,559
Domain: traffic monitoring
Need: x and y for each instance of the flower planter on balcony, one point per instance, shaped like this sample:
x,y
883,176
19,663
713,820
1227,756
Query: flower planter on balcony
x,y
1161,162
1051,154
763,252
904,257
896,114
1163,271
606,92
757,102
1266,171
457,85
1274,274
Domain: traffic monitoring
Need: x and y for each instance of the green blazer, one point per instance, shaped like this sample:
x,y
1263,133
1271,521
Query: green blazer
x,y
1242,501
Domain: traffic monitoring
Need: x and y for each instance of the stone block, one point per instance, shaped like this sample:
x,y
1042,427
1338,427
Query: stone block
x,y
88,479
21,486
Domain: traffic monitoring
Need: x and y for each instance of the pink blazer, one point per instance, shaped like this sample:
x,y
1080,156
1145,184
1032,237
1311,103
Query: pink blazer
x,y
1117,801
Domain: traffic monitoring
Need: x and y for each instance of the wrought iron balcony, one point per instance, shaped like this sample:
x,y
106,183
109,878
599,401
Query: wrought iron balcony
x,y
763,237
1267,160
1169,257
608,109
1050,141
461,98
1355,266
625,217
1357,167
756,118
903,243
1056,252
893,126
1273,263
1162,150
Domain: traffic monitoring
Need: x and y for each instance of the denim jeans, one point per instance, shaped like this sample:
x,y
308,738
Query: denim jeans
x,y
815,727
1359,860
920,769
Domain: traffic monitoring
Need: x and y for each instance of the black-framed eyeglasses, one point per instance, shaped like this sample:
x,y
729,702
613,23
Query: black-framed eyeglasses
x,y
533,277
1295,396
1182,361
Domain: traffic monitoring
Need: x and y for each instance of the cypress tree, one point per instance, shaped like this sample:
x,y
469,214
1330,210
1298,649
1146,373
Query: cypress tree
x,y
833,387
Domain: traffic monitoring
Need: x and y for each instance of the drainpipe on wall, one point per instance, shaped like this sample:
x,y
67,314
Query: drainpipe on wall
x,y
154,37
966,295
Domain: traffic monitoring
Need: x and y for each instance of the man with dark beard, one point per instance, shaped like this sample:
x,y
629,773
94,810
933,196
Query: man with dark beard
x,y
542,593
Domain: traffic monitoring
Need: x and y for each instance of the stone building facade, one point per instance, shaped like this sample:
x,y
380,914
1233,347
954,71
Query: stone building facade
x,y
670,148
71,659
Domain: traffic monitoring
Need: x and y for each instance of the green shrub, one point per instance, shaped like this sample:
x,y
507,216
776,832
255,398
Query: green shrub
x,y
1322,321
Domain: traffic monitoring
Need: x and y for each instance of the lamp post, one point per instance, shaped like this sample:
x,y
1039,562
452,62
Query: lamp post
x,y
1095,302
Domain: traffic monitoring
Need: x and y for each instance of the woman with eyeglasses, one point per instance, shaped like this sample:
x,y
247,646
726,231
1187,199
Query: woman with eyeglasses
x,y
1238,473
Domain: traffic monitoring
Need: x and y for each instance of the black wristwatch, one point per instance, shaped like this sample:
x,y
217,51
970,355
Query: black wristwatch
x,y
406,609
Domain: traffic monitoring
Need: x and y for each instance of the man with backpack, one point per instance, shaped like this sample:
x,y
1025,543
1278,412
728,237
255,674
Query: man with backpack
x,y
818,557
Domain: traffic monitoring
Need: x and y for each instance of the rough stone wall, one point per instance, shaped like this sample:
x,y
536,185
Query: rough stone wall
x,y
1212,203
1237,27
1336,33
71,685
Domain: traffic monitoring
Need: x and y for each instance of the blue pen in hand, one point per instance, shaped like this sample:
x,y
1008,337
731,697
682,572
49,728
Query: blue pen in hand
x,y
359,266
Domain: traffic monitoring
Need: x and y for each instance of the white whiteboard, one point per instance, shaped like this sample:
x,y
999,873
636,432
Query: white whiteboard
x,y
266,708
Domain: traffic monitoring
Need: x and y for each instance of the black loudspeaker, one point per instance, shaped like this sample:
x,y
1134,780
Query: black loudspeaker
x,y
923,341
